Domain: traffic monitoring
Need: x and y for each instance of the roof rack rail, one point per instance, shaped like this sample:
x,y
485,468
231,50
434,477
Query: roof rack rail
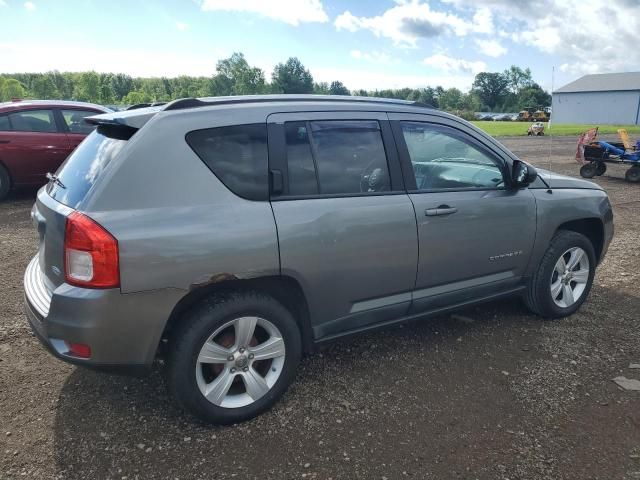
x,y
138,105
185,103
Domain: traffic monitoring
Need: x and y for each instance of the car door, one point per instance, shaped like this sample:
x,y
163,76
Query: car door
x,y
475,232
35,146
75,126
346,227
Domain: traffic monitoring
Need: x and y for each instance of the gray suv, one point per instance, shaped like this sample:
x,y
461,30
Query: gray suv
x,y
235,234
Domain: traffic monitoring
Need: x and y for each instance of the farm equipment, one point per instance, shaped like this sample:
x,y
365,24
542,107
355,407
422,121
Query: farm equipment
x,y
536,129
594,155
532,114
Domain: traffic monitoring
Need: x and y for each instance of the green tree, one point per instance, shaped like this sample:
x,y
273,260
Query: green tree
x,y
321,88
517,78
338,88
490,87
236,77
43,87
11,88
121,85
451,99
424,95
533,96
63,83
135,97
155,90
87,88
292,77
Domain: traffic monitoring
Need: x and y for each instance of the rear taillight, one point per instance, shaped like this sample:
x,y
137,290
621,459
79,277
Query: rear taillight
x,y
90,254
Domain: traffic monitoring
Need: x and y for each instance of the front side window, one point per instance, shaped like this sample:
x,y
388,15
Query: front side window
x,y
443,158
336,157
74,119
237,155
33,121
5,126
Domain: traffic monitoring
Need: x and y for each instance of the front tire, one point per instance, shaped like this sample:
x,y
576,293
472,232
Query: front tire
x,y
564,277
5,183
233,357
588,170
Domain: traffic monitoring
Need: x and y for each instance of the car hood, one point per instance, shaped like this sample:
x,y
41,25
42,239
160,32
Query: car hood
x,y
555,180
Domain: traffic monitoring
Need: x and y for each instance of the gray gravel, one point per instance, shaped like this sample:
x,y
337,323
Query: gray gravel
x,y
491,392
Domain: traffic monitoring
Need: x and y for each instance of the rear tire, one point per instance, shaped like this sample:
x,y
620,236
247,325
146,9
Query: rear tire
x,y
548,293
5,183
242,365
633,175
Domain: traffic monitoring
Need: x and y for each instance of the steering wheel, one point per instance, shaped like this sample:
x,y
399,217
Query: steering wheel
x,y
373,179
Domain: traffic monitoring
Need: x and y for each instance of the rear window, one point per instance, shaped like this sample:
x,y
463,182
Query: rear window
x,y
237,155
83,167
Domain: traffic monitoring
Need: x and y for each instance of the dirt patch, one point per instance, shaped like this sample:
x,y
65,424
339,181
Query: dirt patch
x,y
494,393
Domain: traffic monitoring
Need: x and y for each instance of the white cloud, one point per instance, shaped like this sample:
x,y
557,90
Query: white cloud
x,y
182,26
292,12
374,57
371,80
3,3
454,65
69,57
411,20
490,48
30,6
571,30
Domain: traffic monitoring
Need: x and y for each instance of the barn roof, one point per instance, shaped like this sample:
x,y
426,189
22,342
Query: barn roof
x,y
603,82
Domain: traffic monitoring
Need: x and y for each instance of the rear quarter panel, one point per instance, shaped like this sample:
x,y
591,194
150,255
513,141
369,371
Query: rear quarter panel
x,y
176,224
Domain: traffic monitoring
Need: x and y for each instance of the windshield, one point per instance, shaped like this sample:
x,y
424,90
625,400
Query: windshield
x,y
83,167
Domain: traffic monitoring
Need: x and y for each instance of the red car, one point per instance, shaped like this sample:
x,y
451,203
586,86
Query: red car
x,y
36,136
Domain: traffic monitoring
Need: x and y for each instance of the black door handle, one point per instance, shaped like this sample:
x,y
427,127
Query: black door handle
x,y
441,210
5,141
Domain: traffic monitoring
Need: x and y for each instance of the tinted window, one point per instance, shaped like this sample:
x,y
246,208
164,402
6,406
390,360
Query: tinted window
x,y
4,123
83,168
237,155
74,119
349,156
300,166
443,158
33,121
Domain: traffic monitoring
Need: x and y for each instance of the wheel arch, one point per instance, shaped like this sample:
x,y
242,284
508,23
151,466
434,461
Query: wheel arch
x,y
284,289
592,228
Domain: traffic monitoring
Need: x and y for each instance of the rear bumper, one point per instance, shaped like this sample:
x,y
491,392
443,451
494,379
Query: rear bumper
x,y
123,330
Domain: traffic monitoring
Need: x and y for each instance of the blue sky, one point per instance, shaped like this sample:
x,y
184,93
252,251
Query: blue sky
x,y
365,44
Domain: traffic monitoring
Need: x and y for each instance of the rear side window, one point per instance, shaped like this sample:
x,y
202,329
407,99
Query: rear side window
x,y
300,165
74,119
4,123
33,121
348,156
237,155
83,167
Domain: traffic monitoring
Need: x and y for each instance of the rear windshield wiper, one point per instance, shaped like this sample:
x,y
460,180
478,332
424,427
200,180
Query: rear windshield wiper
x,y
52,177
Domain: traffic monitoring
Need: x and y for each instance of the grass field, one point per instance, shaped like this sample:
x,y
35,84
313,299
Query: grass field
x,y
511,129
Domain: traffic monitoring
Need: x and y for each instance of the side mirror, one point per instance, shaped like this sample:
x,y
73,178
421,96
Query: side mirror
x,y
522,174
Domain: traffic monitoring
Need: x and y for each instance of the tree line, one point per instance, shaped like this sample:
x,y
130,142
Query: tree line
x,y
508,91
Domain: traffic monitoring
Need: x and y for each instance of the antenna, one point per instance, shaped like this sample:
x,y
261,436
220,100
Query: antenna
x,y
553,71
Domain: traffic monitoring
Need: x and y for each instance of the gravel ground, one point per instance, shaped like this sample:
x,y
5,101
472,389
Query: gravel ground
x,y
489,393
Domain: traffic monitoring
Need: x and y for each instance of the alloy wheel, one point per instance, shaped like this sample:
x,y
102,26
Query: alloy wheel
x,y
240,362
570,277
